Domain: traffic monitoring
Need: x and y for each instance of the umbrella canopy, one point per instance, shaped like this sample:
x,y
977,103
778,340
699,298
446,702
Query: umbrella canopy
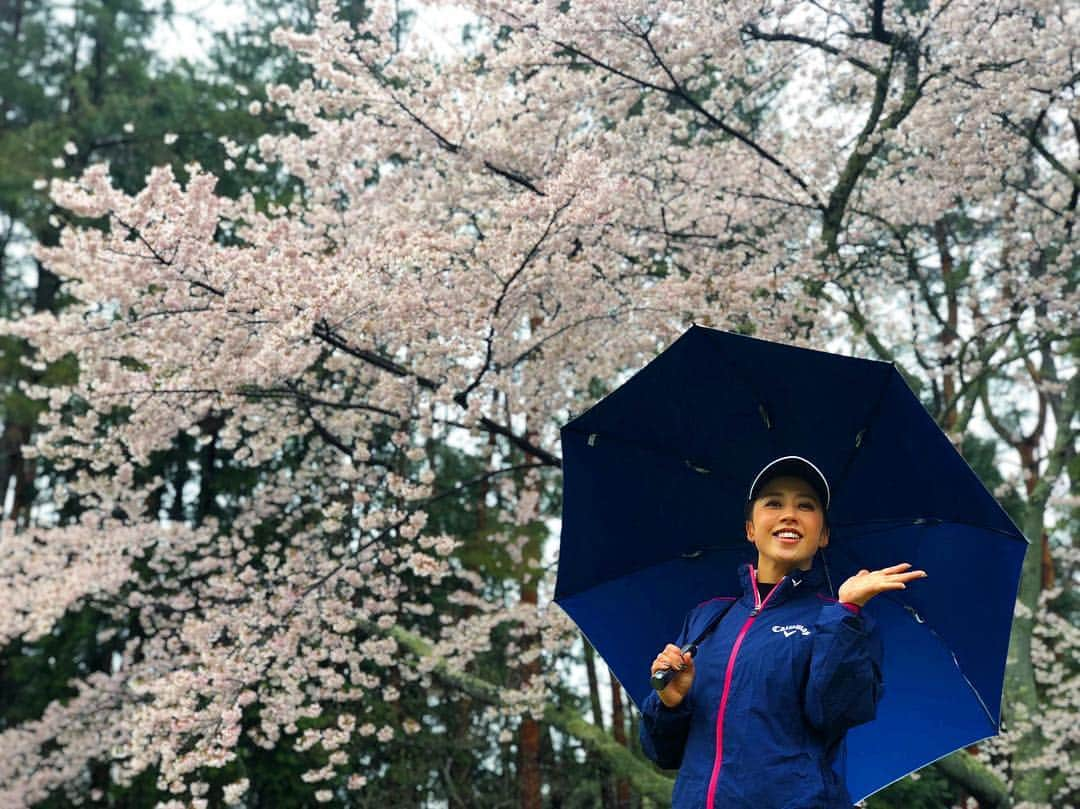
x,y
655,479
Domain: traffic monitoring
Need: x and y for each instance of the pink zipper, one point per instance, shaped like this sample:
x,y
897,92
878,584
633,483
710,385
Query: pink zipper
x,y
758,606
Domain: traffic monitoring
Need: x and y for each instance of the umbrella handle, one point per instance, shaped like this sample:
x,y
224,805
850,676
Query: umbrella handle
x,y
661,677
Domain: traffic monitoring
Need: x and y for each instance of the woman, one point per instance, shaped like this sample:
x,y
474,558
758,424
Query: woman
x,y
756,718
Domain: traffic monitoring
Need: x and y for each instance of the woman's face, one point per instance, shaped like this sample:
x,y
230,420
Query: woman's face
x,y
787,525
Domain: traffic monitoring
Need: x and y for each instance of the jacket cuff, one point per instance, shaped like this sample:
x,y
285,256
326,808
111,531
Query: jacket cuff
x,y
849,615
660,713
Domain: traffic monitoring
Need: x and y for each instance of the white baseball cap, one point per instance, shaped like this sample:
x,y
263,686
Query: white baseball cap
x,y
795,466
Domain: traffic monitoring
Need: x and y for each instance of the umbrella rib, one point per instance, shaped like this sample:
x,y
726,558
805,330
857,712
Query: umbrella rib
x,y
696,464
684,556
735,372
885,523
956,662
974,690
841,479
919,619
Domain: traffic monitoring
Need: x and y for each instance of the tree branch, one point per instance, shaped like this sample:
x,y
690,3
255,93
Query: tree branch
x,y
642,775
454,148
862,326
533,251
678,92
324,332
1030,135
965,770
864,150
751,30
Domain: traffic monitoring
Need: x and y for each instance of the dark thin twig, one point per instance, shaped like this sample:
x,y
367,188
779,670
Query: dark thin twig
x,y
324,332
751,30
490,340
677,91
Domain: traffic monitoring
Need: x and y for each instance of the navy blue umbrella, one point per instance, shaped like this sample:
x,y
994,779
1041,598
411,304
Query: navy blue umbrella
x,y
655,478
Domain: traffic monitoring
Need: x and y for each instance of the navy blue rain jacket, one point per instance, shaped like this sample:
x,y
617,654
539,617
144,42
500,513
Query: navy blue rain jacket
x,y
776,686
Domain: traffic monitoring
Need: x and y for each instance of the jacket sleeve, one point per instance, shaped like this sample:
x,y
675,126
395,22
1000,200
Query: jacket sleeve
x,y
845,682
663,730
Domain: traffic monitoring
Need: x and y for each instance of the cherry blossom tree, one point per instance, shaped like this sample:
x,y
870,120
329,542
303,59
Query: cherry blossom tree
x,y
481,243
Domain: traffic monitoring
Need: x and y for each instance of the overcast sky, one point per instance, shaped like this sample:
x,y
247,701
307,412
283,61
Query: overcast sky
x,y
196,20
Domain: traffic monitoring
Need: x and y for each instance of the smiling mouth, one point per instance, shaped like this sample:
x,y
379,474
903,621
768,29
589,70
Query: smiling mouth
x,y
788,537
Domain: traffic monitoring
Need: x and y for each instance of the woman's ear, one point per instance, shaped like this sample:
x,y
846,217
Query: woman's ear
x,y
824,537
750,532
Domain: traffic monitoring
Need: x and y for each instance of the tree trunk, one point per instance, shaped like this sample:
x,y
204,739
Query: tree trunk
x,y
636,800
594,685
458,768
207,463
1048,579
15,436
1022,704
15,21
947,415
529,779
529,772
607,794
184,447
618,730
16,472
551,763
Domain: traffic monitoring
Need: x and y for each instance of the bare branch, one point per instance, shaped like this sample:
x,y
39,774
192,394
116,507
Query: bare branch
x,y
678,92
532,253
752,31
1031,135
325,333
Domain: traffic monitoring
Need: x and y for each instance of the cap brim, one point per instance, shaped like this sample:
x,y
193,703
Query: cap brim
x,y
795,466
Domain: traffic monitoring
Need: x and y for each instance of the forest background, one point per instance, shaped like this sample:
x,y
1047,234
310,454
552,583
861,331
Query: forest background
x,y
291,324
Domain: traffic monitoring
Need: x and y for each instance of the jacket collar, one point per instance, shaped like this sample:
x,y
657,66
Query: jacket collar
x,y
793,584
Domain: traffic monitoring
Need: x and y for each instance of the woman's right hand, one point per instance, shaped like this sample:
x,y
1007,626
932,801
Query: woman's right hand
x,y
673,658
